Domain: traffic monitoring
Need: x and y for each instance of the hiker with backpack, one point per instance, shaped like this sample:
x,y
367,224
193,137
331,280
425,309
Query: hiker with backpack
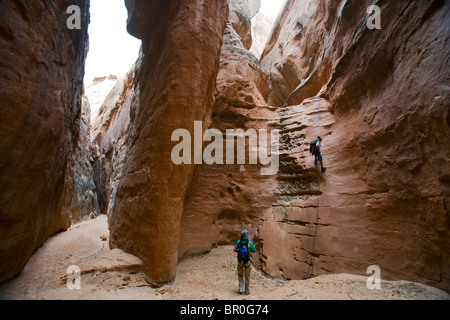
x,y
314,149
244,247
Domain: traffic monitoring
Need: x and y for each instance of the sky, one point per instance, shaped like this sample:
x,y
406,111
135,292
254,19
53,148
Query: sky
x,y
112,50
271,8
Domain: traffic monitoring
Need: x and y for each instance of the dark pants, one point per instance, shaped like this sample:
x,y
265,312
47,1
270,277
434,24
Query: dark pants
x,y
318,157
244,276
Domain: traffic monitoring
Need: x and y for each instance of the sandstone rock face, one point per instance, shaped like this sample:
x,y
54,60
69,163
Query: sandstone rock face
x,y
254,6
97,93
384,120
384,199
109,136
241,14
80,198
376,97
261,30
175,83
40,123
222,199
222,209
307,41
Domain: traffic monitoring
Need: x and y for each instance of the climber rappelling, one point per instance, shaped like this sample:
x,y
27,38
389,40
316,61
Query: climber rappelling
x,y
314,149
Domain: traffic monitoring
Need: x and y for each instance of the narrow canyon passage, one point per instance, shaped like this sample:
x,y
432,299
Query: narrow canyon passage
x,y
209,133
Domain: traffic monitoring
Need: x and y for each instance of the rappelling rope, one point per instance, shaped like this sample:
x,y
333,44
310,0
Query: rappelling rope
x,y
311,265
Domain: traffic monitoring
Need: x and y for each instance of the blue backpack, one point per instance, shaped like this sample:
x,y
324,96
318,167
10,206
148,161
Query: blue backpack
x,y
313,147
243,251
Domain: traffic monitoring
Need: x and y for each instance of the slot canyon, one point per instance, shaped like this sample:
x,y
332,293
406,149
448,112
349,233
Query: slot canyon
x,y
376,96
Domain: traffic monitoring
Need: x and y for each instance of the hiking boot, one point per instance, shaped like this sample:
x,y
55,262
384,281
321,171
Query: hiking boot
x,y
324,169
239,292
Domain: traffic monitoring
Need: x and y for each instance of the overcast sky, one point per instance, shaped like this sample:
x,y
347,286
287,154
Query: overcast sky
x,y
112,50
271,8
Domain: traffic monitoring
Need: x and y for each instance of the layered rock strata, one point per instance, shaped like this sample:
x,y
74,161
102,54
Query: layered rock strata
x,y
384,120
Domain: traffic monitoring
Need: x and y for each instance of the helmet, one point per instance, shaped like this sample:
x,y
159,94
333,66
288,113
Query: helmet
x,y
244,235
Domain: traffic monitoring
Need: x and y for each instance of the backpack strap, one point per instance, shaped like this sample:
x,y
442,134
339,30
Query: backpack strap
x,y
314,146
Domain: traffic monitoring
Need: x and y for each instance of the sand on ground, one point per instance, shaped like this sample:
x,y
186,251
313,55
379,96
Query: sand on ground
x,y
114,274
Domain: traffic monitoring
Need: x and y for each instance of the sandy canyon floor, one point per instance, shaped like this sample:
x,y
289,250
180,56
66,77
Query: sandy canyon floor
x,y
114,274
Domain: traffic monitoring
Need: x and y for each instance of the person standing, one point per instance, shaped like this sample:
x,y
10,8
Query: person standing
x,y
244,247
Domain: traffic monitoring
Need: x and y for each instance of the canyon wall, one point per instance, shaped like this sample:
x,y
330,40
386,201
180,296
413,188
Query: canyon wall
x,y
175,81
45,170
80,199
224,199
376,97
213,202
383,115
261,30
109,137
